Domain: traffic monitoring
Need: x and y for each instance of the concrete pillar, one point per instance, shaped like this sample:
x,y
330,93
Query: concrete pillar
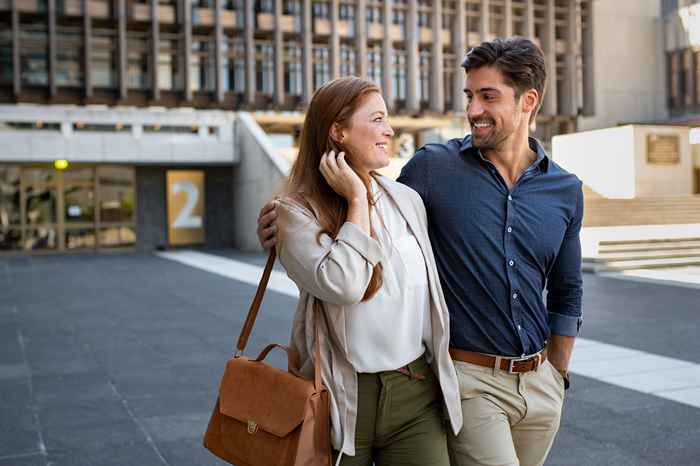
x,y
530,19
307,53
187,56
279,54
87,47
361,38
388,56
249,52
588,65
460,50
573,57
219,51
155,50
334,51
485,27
437,91
549,106
412,58
16,63
123,63
508,18
52,48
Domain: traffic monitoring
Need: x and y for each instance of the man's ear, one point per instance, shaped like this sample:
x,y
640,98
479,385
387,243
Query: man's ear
x,y
529,100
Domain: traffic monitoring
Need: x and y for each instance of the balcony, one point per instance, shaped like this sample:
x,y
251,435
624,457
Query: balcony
x,y
425,35
99,9
266,21
396,32
203,17
375,31
31,6
287,23
72,8
5,5
140,12
446,36
346,28
228,18
322,27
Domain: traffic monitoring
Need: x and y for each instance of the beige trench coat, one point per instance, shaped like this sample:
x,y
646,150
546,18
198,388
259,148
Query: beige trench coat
x,y
337,272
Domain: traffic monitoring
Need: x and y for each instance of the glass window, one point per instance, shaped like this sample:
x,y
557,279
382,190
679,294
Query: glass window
x,y
103,59
374,65
202,65
346,12
234,64
69,57
83,238
265,6
321,9
44,237
117,236
399,81
424,60
322,68
34,56
265,68
293,81
9,197
116,185
347,60
137,56
169,63
40,204
449,61
5,53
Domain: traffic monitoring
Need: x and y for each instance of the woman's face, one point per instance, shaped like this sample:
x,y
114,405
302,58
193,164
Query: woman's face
x,y
367,137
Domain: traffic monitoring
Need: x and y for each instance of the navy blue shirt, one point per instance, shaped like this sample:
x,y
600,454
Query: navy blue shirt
x,y
497,249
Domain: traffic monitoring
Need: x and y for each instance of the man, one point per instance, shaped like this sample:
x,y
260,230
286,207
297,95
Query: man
x,y
504,224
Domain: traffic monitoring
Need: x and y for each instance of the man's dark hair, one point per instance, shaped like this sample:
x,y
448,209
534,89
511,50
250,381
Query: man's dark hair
x,y
519,60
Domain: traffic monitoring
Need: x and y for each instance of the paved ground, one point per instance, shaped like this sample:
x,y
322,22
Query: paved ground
x,y
114,360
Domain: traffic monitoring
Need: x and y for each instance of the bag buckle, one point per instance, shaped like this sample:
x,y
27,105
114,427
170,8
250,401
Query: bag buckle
x,y
252,427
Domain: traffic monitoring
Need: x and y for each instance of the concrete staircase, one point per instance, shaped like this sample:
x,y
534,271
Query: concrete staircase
x,y
618,255
640,211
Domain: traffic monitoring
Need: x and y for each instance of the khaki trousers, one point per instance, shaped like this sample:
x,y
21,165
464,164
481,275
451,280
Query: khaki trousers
x,y
399,420
509,419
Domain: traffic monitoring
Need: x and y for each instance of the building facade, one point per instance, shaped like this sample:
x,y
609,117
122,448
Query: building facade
x,y
124,122
272,54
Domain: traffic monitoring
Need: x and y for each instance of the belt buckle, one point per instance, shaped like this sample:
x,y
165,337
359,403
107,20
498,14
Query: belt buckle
x,y
526,358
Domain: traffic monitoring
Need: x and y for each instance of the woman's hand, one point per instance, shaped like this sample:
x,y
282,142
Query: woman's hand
x,y
342,178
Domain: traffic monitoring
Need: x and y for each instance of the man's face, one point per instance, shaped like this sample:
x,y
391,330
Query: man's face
x,y
493,111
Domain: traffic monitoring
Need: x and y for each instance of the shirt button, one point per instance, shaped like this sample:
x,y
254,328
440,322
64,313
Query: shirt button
x,y
515,295
509,229
519,327
511,263
510,198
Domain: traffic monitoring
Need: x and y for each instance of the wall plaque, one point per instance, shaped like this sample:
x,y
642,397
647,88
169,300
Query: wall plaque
x,y
185,206
663,149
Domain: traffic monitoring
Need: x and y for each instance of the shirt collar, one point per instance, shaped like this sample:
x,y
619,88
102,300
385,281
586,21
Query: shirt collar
x,y
542,158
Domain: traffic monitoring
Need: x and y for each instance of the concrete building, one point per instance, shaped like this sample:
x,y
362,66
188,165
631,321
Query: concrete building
x,y
124,123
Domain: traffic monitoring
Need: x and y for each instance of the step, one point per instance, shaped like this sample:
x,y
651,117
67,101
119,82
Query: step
x,y
648,254
648,247
594,266
649,241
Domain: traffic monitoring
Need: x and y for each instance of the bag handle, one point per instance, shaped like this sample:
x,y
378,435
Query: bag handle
x,y
253,314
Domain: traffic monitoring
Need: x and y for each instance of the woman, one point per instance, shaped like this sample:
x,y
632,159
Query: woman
x,y
356,244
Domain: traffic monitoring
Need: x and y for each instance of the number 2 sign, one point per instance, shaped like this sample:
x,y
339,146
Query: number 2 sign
x,y
185,206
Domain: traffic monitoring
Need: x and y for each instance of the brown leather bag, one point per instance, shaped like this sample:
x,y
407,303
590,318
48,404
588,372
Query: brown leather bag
x,y
265,416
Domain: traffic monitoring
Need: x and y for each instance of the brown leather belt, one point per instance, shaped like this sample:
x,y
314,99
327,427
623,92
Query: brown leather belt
x,y
510,365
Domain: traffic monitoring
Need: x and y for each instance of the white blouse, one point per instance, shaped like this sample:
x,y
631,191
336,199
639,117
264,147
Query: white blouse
x,y
392,328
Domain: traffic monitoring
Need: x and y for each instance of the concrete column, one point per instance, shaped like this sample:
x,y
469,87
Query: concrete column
x,y
87,47
460,50
549,106
588,65
187,56
485,20
388,56
361,38
219,50
307,53
573,56
52,48
412,60
530,19
279,54
508,18
335,39
123,58
155,50
16,63
437,92
249,52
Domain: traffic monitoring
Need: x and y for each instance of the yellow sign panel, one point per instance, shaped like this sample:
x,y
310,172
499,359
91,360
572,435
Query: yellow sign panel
x,y
185,207
663,149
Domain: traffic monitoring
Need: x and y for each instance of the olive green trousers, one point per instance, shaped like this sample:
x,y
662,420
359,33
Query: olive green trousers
x,y
400,420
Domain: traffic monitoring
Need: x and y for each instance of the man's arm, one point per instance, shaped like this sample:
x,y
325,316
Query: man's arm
x,y
565,290
415,174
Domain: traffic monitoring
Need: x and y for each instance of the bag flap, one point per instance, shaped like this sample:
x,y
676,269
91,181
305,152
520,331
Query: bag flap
x,y
273,399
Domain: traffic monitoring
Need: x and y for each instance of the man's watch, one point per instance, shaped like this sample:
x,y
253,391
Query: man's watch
x,y
565,375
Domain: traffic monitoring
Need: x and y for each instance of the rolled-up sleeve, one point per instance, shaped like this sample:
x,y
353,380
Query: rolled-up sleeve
x,y
337,270
565,284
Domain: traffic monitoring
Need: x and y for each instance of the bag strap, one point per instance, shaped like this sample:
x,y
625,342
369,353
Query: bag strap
x,y
255,305
253,314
